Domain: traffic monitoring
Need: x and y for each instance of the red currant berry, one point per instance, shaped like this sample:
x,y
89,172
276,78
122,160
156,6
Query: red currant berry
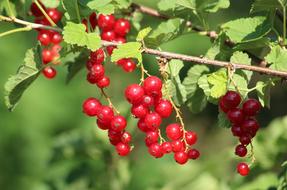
x,y
181,157
92,78
222,106
42,21
104,82
98,71
245,139
134,93
147,101
106,114
231,99
142,126
129,65
164,108
153,121
108,35
151,137
49,72
102,125
250,126
193,154
174,131
235,116
139,111
106,22
166,147
118,123
155,150
85,22
190,137
35,10
115,134
93,20
123,149
54,14
152,85
251,107
115,141
236,130
241,150
120,40
243,169
91,106
47,56
98,57
126,137
57,38
177,146
110,49
122,27
44,37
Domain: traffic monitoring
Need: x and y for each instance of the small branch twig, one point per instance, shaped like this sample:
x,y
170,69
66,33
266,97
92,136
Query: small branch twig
x,y
168,55
30,24
109,101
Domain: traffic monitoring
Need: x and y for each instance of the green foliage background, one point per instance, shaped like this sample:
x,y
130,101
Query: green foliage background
x,y
48,144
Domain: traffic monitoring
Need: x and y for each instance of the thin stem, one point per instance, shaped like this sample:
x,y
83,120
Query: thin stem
x,y
253,159
109,101
24,29
11,14
284,25
44,13
31,24
143,73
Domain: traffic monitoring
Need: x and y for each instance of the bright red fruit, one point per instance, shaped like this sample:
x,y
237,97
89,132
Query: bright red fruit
x,y
47,56
54,14
102,125
236,130
35,10
98,56
44,37
251,107
123,149
147,101
241,150
91,106
118,123
155,150
235,116
174,131
190,137
108,35
177,146
49,72
134,93
126,137
56,38
153,121
142,126
231,99
166,147
103,82
245,139
93,20
98,71
181,157
193,154
106,22
122,27
129,65
106,114
164,108
151,137
243,169
152,85
250,126
139,111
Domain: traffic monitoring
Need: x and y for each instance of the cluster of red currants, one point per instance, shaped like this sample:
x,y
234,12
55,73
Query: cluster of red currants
x,y
150,108
48,38
244,124
111,30
107,120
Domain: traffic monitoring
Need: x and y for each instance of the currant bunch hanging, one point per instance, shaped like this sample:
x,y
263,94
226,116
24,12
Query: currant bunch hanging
x,y
48,38
244,123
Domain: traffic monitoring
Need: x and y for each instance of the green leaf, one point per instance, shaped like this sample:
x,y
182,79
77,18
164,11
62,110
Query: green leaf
x,y
223,121
71,6
25,76
127,50
76,34
190,81
218,80
242,58
165,5
190,4
165,32
211,6
50,4
176,90
143,33
123,4
266,5
197,102
263,89
75,66
173,67
204,85
4,6
247,29
277,57
102,7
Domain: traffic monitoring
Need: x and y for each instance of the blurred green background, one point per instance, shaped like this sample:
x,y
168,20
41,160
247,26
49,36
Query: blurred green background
x,y
48,144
